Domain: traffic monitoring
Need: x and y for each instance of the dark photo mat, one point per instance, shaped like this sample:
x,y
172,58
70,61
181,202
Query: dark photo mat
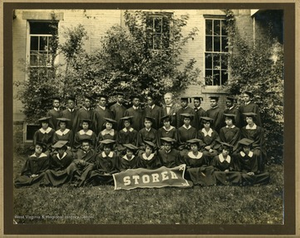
x,y
289,226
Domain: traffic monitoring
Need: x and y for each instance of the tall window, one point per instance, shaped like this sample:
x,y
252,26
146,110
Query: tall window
x,y
216,52
158,29
42,44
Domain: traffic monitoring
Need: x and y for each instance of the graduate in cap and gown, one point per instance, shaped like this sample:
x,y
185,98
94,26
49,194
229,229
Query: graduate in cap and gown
x,y
136,112
147,133
225,167
129,160
232,108
148,159
54,113
169,156
118,110
248,163
185,109
153,111
70,112
108,133
85,133
216,113
44,134
249,106
63,133
198,113
167,130
127,135
34,168
101,112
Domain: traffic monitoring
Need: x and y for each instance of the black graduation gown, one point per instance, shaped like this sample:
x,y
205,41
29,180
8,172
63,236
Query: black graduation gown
x,y
235,111
151,162
184,135
81,135
124,163
125,136
217,114
173,113
208,140
103,135
45,137
53,114
169,159
171,133
155,113
138,117
232,177
99,118
33,165
83,113
230,135
118,111
66,135
197,121
188,110
145,135
71,115
251,107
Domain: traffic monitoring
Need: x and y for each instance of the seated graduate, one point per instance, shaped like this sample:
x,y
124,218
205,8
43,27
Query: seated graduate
x,y
166,131
85,133
248,164
106,164
208,137
147,133
63,133
108,133
127,135
198,169
149,158
169,156
130,159
59,160
44,134
35,166
256,133
83,163
186,132
225,167
230,133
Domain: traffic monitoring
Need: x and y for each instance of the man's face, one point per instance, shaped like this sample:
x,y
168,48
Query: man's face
x,y
85,146
61,151
225,151
45,125
150,101
56,103
197,103
228,121
213,102
167,146
187,121
194,147
246,149
71,104
148,150
229,103
136,102
249,120
245,97
129,153
168,99
102,102
127,123
87,103
183,103
38,149
120,98
167,123
106,149
148,124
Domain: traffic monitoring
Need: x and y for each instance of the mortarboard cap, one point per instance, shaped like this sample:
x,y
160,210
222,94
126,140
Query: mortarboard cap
x,y
71,97
63,119
107,141
231,98
150,144
229,115
44,119
206,119
167,117
119,93
88,97
184,98
86,140
41,144
193,141
245,141
214,97
167,139
226,145
135,96
131,147
86,120
198,98
187,115
149,118
60,144
110,120
249,93
249,114
126,118
56,97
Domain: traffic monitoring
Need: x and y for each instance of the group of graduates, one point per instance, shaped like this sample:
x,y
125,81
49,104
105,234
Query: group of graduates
x,y
86,146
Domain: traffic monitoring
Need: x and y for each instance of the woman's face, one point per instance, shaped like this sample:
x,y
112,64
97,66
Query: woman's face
x,y
129,153
225,152
85,125
194,147
62,125
127,123
228,121
206,124
38,149
167,123
45,125
148,150
106,149
108,125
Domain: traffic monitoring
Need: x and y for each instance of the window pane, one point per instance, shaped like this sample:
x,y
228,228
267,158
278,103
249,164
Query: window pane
x,y
223,28
216,27
33,59
43,27
224,44
158,25
217,44
216,61
44,43
224,61
208,43
157,42
224,77
208,27
34,43
216,77
208,77
208,61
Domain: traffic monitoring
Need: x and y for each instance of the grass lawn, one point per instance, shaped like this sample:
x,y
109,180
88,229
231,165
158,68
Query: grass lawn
x,y
197,205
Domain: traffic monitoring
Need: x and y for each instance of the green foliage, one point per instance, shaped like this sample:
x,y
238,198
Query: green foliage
x,y
258,67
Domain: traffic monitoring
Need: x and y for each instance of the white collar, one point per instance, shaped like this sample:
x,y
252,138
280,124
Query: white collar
x,y
171,127
135,108
56,109
230,108
254,127
207,133
110,155
147,158
126,130
152,106
45,131
64,155
103,108
243,154
89,132
170,105
71,110
125,157
198,108
41,155
106,132
192,156
62,133
233,126
148,129
247,103
221,158
87,109
184,126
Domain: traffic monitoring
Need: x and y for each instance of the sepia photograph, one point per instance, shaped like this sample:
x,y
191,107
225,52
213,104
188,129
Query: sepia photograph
x,y
171,119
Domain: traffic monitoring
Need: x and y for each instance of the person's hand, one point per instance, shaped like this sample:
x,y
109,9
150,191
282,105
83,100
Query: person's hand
x,y
34,175
250,173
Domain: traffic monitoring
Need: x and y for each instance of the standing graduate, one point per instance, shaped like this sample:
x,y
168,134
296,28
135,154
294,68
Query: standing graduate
x,y
148,159
225,167
107,133
166,131
153,111
249,106
59,161
169,156
63,133
232,108
198,113
185,109
100,113
208,137
147,133
85,112
185,132
230,133
248,163
118,110
34,168
70,112
127,135
44,134
136,112
85,133
129,160
256,133
170,108
54,113
216,113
